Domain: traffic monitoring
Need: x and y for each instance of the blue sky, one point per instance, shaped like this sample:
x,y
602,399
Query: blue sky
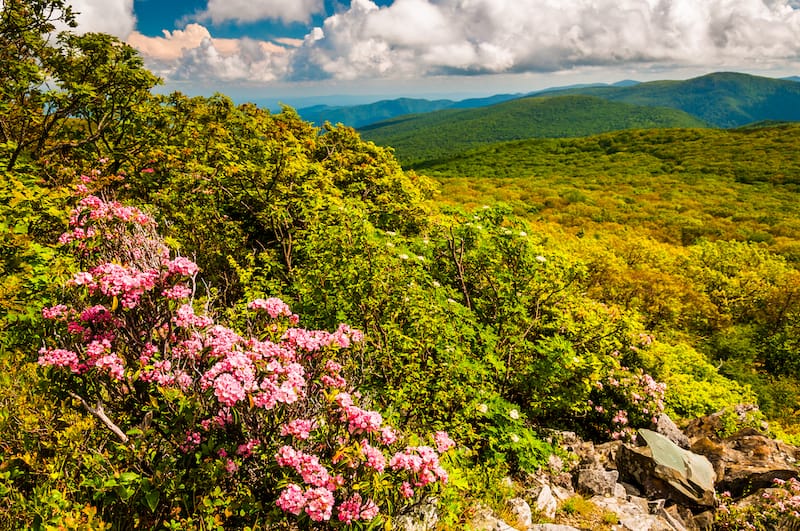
x,y
293,49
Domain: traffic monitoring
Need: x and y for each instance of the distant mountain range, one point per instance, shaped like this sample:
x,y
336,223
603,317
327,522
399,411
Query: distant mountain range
x,y
423,137
370,113
722,99
361,115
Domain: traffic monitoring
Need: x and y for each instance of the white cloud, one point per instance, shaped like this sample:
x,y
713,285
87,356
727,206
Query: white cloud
x,y
172,44
252,61
107,16
254,10
413,38
424,37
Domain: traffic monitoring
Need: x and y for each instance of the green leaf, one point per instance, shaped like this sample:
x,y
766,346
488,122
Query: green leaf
x,y
152,499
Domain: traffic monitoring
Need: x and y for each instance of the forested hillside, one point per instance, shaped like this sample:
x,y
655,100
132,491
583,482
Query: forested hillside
x,y
440,134
217,317
723,99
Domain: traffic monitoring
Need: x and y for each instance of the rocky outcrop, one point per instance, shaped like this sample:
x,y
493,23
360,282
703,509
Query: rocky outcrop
x,y
667,483
664,470
748,461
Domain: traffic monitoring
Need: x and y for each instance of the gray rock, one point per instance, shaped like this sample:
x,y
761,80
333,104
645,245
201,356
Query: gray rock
x,y
748,460
668,429
633,516
664,470
544,501
596,481
422,517
485,520
521,511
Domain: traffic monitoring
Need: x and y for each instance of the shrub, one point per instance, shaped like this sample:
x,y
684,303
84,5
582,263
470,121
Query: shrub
x,y
211,426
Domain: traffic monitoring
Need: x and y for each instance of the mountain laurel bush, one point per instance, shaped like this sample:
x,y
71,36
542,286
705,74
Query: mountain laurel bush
x,y
261,418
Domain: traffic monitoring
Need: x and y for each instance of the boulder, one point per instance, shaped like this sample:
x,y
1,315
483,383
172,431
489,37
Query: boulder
x,y
545,502
421,517
521,511
748,461
597,481
666,427
485,520
664,470
632,516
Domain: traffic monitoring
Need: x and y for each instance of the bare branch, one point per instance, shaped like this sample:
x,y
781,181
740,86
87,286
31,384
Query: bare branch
x,y
100,414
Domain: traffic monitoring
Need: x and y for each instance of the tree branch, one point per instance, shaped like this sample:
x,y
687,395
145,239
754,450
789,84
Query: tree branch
x,y
100,414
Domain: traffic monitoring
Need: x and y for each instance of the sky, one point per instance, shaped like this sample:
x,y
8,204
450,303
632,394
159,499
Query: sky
x,y
302,50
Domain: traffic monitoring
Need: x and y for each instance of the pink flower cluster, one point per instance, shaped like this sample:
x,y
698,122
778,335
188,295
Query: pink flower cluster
x,y
92,209
308,466
114,280
300,428
273,306
317,502
422,462
127,328
354,509
358,420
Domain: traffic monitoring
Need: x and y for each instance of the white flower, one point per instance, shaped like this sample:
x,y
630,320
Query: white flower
x,y
514,438
514,414
420,258
391,233
523,233
389,244
436,284
404,256
541,259
483,408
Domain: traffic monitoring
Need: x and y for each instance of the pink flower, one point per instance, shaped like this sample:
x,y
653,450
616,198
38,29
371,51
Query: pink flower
x,y
228,390
375,458
443,441
299,428
55,312
181,266
319,504
350,509
58,357
406,490
292,499
273,306
388,435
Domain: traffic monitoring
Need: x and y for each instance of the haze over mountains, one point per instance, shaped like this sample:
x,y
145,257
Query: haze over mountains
x,y
722,99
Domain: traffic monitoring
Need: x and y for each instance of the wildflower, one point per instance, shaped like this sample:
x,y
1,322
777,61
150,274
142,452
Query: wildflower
x,y
443,441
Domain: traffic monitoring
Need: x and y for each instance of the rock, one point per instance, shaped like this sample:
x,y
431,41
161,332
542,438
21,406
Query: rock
x,y
485,520
748,461
632,516
715,425
422,517
596,481
704,521
521,511
553,527
545,502
664,470
562,493
679,522
668,429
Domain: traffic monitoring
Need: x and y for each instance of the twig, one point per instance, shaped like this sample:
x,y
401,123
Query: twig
x,y
100,414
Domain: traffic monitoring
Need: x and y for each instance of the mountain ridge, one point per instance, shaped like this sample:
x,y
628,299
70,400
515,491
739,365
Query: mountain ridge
x,y
421,137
